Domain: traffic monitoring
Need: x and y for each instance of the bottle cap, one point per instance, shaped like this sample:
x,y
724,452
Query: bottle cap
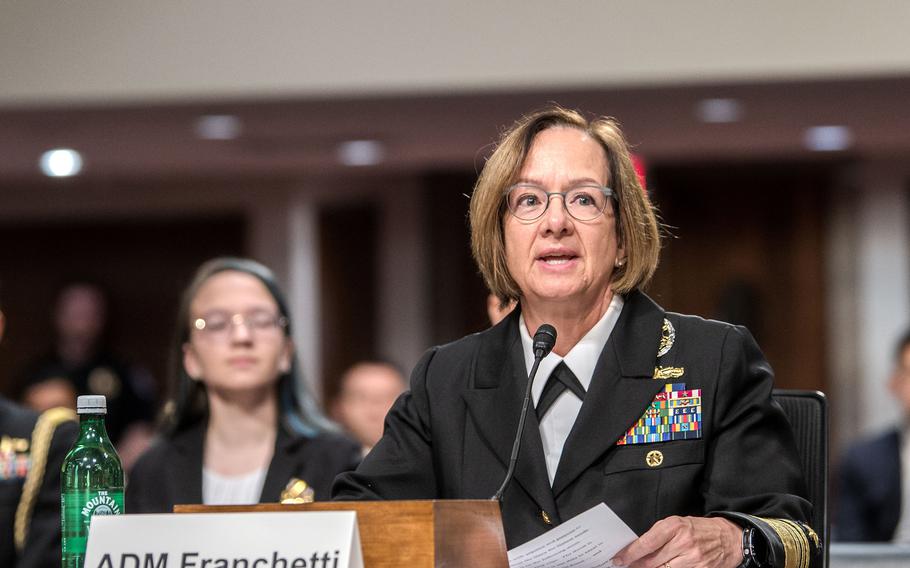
x,y
91,404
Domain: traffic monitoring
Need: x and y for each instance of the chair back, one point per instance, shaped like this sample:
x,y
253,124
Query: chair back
x,y
807,412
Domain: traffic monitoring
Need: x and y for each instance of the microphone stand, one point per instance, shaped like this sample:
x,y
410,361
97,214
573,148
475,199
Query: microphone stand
x,y
538,356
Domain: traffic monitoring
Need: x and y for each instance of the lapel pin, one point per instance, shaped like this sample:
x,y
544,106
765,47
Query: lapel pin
x,y
654,458
669,372
667,337
296,492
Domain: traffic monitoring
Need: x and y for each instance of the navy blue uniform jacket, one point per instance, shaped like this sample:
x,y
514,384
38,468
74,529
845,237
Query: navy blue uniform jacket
x,y
450,437
41,547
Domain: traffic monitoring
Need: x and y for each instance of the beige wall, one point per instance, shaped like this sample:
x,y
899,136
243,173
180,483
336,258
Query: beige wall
x,y
97,51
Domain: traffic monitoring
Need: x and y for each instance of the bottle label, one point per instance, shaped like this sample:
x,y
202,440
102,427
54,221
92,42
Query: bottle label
x,y
78,509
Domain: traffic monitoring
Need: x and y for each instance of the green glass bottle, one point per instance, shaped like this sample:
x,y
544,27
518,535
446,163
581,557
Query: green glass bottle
x,y
92,480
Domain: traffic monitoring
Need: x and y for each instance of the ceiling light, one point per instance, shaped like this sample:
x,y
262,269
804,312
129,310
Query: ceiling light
x,y
361,153
61,162
218,127
719,111
828,138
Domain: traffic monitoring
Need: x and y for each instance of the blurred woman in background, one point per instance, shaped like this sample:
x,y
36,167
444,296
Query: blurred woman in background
x,y
239,425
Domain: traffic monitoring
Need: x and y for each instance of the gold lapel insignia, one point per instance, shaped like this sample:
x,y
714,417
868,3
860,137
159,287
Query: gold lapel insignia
x,y
297,491
9,444
667,337
669,372
654,458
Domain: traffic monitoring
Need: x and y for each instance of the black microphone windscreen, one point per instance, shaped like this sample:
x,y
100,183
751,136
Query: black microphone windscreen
x,y
544,340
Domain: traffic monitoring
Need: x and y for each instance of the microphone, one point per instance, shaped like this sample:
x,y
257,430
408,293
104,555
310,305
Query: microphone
x,y
544,340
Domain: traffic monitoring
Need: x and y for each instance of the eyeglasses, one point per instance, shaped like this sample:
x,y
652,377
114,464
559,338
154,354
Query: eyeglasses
x,y
528,201
220,324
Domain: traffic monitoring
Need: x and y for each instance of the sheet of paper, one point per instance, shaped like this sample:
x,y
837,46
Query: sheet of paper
x,y
588,540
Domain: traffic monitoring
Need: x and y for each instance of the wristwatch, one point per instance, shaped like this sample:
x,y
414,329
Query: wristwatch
x,y
754,549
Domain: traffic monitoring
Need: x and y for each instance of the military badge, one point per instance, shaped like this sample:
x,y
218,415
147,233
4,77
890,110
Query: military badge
x,y
667,337
674,414
654,458
15,459
665,373
297,491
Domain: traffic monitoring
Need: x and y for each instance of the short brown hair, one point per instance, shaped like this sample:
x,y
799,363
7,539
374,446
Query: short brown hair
x,y
637,226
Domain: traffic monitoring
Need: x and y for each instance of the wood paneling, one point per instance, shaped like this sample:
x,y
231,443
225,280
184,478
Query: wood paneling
x,y
142,265
747,247
348,256
458,296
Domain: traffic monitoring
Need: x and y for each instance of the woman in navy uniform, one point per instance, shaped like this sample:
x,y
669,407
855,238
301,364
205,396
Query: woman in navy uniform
x,y
668,419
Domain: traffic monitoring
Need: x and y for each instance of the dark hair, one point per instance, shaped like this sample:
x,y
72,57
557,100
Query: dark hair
x,y
187,402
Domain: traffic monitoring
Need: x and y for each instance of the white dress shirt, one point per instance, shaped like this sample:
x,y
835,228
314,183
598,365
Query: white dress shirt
x,y
232,489
558,421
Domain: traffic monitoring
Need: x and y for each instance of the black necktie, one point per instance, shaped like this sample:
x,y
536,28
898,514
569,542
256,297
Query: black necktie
x,y
561,378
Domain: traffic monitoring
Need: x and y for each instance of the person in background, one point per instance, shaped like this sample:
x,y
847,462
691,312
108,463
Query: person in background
x,y
874,475
368,390
80,363
239,426
32,448
560,224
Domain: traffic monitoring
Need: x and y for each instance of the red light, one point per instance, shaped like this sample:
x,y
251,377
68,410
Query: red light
x,y
640,168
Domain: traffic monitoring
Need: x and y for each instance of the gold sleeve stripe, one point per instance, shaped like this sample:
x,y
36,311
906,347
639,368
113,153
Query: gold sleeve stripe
x,y
41,444
797,552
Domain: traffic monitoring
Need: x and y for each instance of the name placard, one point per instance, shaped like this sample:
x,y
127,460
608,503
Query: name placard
x,y
327,539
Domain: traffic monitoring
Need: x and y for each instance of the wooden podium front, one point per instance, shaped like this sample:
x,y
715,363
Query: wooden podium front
x,y
416,534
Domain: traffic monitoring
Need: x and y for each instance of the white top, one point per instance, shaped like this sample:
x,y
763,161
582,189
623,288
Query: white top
x,y
232,489
558,421
902,532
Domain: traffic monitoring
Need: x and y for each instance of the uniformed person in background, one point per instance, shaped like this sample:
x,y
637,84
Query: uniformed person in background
x,y
80,362
32,448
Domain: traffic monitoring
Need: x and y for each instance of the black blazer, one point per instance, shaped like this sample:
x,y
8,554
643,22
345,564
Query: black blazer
x,y
42,543
451,435
170,472
869,496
